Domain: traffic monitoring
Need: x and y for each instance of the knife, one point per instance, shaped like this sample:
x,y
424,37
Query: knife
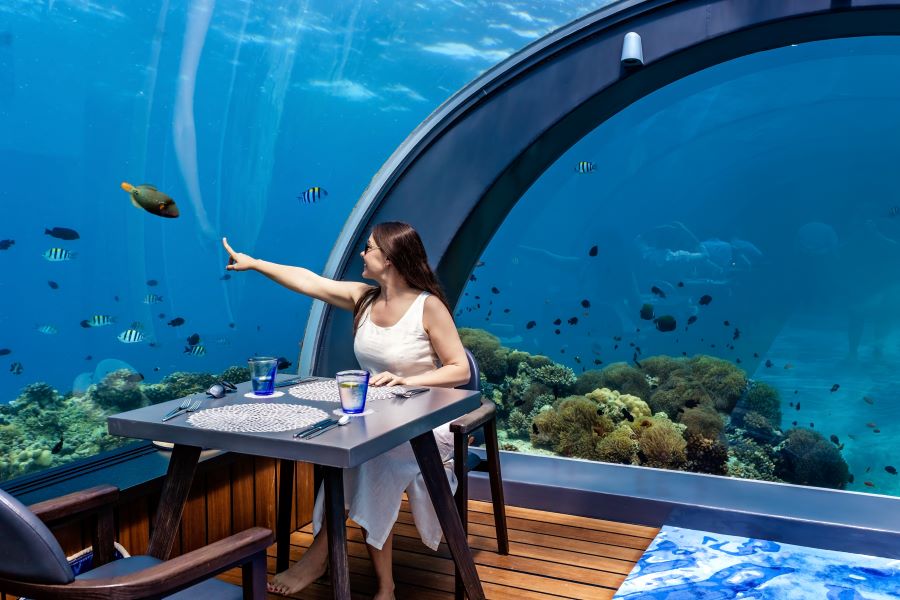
x,y
317,425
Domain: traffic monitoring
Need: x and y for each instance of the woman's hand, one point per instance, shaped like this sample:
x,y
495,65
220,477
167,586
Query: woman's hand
x,y
237,261
386,378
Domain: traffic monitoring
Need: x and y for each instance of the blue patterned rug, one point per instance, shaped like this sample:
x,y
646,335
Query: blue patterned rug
x,y
686,564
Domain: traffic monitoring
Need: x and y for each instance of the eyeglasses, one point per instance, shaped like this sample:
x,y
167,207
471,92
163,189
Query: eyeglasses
x,y
369,248
218,390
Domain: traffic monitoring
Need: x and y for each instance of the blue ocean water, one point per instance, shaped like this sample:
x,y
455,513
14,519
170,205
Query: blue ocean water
x,y
687,563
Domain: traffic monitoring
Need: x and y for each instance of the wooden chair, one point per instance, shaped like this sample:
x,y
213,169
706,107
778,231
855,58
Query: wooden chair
x,y
32,562
465,461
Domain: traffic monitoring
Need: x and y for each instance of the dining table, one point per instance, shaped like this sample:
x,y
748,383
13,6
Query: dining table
x,y
387,423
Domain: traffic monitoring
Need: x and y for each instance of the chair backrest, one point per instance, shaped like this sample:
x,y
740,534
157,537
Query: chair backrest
x,y
30,552
474,382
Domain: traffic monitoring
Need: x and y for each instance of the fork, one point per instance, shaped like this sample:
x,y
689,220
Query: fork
x,y
184,404
194,405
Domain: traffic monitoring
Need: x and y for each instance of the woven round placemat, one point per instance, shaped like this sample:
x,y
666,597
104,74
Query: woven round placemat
x,y
325,390
256,418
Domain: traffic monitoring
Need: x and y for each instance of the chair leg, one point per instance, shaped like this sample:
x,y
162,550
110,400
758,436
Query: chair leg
x,y
493,461
283,519
253,577
460,459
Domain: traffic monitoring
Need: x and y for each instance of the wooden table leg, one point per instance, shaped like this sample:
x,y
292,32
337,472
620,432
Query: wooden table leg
x,y
429,459
337,535
179,477
283,519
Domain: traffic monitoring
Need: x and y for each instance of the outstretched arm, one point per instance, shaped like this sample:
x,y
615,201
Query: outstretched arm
x,y
342,294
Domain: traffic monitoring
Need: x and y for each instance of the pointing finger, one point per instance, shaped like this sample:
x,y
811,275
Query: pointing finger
x,y
227,247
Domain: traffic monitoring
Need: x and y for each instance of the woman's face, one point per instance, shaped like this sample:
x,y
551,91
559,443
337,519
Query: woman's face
x,y
373,260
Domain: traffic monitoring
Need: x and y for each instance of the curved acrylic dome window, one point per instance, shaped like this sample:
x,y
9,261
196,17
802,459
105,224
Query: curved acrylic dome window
x,y
726,250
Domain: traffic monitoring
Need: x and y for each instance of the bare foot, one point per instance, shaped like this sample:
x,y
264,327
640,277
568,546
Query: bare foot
x,y
297,577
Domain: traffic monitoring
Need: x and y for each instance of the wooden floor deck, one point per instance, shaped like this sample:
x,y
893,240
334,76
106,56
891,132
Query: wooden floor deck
x,y
552,555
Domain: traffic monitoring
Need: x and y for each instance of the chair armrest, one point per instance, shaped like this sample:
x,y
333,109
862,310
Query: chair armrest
x,y
164,578
475,419
57,509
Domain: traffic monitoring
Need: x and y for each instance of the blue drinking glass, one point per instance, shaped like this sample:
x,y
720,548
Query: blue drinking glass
x,y
262,374
353,387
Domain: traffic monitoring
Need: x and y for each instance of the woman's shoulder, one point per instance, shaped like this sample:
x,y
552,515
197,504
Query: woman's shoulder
x,y
360,289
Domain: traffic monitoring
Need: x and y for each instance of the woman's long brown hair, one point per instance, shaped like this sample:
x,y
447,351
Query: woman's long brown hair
x,y
401,245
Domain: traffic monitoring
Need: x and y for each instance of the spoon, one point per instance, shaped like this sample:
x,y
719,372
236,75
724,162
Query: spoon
x,y
340,423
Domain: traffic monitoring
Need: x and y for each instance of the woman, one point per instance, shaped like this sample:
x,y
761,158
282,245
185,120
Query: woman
x,y
404,335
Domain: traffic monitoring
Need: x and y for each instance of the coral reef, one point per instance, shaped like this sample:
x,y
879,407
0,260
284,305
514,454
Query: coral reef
x,y
620,446
703,421
705,455
615,405
724,381
488,353
661,367
119,390
750,460
624,379
573,428
807,458
661,442
679,393
518,424
762,399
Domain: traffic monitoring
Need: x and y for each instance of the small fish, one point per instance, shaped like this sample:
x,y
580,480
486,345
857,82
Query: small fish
x,y
705,299
737,360
868,484
894,211
557,322
593,251
868,400
225,277
680,284
473,278
834,440
152,299
573,321
557,331
5,351
788,366
627,415
16,368
584,167
665,323
98,321
891,470
692,319
176,322
876,430
506,310
194,350
735,335
152,282
647,312
726,323
62,233
578,359
116,298
657,292
88,357
134,377
756,355
530,324
851,436
162,315
769,364
48,329
835,387
586,303
283,363
53,285
312,194
798,406
812,425
5,244
193,339
794,423
494,290
871,425
57,446
231,325
58,255
149,198
130,336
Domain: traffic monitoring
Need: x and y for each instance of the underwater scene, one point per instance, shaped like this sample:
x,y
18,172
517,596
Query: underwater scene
x,y
706,282
709,280
137,134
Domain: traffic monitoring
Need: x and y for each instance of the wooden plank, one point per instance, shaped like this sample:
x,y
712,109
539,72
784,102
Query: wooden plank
x,y
304,494
572,520
264,482
218,505
71,537
243,506
193,521
134,526
179,476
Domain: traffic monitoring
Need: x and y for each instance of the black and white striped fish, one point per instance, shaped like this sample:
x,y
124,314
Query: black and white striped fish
x,y
312,194
98,321
195,350
58,254
585,166
130,336
16,368
152,299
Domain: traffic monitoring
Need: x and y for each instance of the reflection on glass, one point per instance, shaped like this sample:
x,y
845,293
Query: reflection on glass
x,y
709,281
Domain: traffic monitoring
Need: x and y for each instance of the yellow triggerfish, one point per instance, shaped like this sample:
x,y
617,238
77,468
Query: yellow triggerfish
x,y
152,200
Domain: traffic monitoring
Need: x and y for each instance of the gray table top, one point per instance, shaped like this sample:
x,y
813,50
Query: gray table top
x,y
391,423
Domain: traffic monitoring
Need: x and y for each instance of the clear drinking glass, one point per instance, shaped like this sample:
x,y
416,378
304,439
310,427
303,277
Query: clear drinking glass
x,y
262,374
352,387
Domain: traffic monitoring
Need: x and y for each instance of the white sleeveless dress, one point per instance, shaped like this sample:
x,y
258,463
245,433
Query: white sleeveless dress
x,y
373,490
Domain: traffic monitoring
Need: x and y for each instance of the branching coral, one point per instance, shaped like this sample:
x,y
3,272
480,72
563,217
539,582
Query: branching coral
x,y
518,425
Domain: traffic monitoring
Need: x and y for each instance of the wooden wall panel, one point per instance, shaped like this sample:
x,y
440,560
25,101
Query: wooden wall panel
x,y
304,495
193,522
218,504
134,525
265,492
243,513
